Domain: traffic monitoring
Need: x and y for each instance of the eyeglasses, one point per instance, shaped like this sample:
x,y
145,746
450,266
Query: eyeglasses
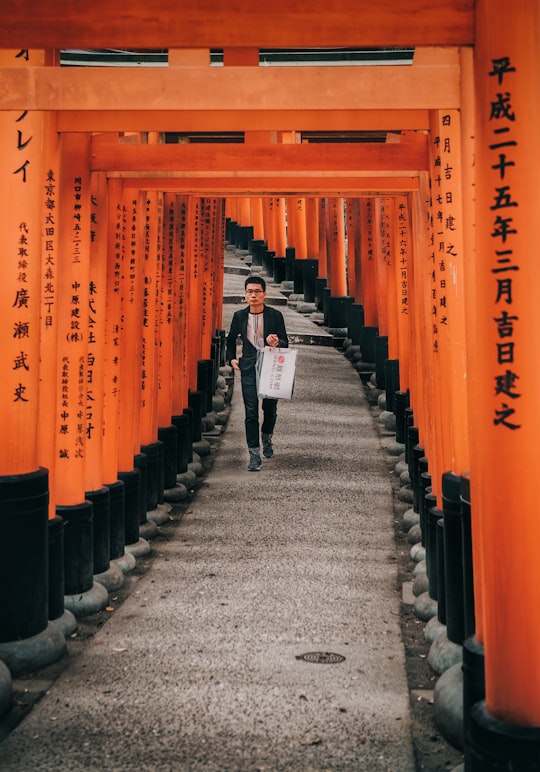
x,y
254,292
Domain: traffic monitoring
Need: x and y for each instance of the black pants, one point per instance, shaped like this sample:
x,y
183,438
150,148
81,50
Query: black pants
x,y
251,405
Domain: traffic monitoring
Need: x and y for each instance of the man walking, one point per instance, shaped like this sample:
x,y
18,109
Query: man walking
x,y
258,325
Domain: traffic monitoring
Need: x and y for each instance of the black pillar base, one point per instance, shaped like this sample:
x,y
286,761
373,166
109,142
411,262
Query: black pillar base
x,y
183,442
78,547
339,311
167,436
132,497
101,501
453,557
496,746
117,518
195,400
24,503
474,685
56,567
381,356
154,475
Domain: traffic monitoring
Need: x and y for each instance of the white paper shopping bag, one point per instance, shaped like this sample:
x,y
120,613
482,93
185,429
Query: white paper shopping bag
x,y
276,375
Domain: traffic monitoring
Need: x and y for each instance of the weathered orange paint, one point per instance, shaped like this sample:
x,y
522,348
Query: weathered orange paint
x,y
209,25
260,159
217,88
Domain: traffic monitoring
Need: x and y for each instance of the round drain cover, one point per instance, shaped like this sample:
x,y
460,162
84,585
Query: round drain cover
x,y
321,657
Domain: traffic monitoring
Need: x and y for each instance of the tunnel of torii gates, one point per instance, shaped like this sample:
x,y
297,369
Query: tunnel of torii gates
x,y
113,262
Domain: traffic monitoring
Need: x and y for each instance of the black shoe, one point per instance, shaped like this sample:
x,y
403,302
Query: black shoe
x,y
254,461
268,450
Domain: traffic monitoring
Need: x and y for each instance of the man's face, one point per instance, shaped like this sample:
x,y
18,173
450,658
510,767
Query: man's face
x,y
255,296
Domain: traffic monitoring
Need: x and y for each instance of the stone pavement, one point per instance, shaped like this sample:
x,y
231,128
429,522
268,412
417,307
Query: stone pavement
x,y
201,667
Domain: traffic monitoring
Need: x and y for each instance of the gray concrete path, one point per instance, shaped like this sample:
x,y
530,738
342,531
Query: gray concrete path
x,y
199,668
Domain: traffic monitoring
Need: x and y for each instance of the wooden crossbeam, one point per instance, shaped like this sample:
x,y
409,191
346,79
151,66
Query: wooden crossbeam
x,y
233,23
342,157
242,120
187,89
280,185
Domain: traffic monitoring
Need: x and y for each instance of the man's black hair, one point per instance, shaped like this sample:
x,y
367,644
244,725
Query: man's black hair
x,y
255,280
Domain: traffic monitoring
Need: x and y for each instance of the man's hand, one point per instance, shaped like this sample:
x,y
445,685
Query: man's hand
x,y
272,340
234,364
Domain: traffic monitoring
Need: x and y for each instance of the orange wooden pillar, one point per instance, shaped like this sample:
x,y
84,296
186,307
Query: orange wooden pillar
x,y
194,308
312,227
323,237
257,219
390,365
337,272
354,273
151,329
473,645
368,269
120,489
338,311
425,341
503,474
269,222
451,390
130,462
194,288
95,490
72,390
403,267
279,214
296,213
218,263
23,483
175,233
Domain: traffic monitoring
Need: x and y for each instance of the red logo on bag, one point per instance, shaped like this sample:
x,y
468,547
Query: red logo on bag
x,y
281,359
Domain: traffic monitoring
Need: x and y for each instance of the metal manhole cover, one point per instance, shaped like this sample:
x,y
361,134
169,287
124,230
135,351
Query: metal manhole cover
x,y
321,657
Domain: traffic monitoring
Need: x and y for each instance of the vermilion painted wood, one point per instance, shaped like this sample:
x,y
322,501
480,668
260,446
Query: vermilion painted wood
x,y
392,87
242,120
238,186
97,341
343,157
211,24
337,264
368,260
112,355
73,270
21,197
504,475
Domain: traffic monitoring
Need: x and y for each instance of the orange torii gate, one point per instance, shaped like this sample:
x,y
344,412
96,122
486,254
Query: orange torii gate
x,y
434,96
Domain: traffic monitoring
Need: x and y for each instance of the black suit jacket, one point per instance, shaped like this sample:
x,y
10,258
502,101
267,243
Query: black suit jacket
x,y
274,324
